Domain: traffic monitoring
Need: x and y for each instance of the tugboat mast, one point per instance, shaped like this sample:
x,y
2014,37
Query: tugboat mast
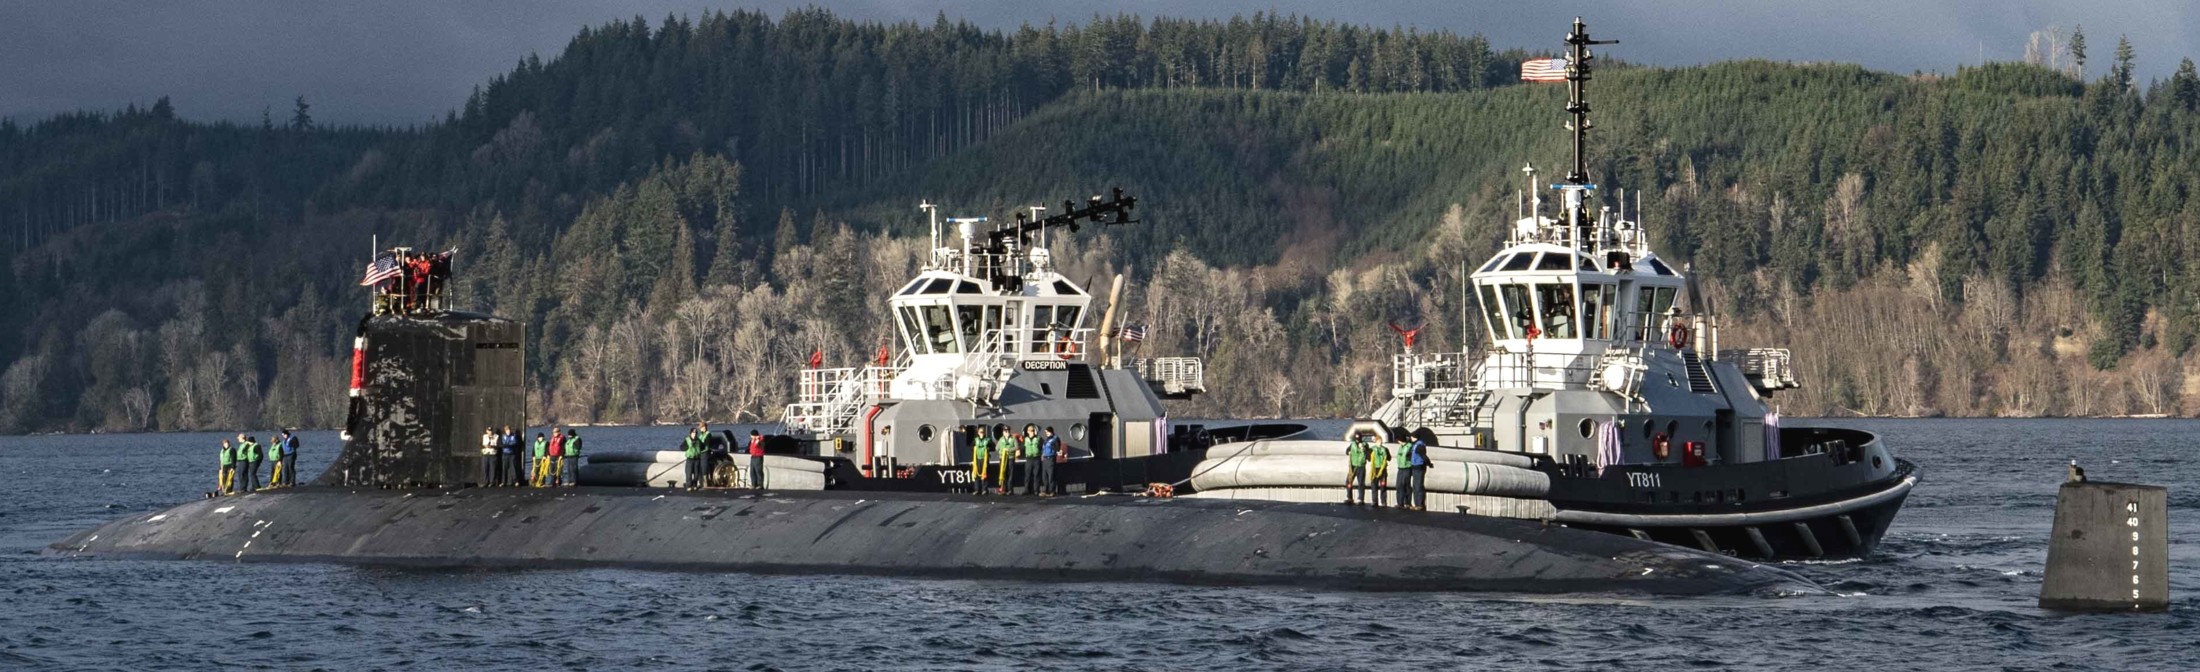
x,y
1577,103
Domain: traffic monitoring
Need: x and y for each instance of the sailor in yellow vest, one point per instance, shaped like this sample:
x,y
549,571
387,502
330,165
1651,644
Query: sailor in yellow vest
x,y
980,446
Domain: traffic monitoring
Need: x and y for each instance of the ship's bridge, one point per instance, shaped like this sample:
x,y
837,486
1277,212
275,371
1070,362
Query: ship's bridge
x,y
953,326
1560,295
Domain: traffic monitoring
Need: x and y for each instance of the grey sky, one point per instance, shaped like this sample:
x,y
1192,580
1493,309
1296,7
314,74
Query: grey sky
x,y
408,61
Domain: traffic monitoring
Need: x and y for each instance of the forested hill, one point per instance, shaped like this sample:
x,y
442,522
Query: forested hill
x,y
684,210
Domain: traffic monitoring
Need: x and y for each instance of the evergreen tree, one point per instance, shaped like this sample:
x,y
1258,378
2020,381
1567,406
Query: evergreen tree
x,y
299,119
2121,73
2184,86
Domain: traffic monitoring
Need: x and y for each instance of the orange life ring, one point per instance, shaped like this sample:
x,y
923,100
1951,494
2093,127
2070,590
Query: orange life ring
x,y
1677,336
1067,348
1660,447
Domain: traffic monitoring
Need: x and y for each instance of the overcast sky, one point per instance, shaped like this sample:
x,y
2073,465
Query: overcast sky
x,y
406,62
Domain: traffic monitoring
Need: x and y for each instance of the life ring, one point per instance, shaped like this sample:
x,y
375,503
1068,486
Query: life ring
x,y
1660,447
1067,348
1677,336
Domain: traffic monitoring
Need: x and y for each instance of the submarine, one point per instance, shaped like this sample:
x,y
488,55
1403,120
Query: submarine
x,y
406,490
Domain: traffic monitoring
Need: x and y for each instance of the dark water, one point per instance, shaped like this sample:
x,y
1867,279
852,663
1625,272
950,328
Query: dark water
x,y
1951,589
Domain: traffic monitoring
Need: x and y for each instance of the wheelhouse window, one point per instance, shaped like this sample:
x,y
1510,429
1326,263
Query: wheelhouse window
x,y
1650,305
939,330
1519,262
1556,301
1493,315
912,336
1596,310
1554,261
1519,311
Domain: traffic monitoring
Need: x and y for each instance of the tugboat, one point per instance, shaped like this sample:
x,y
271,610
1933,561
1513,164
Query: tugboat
x,y
991,335
1604,375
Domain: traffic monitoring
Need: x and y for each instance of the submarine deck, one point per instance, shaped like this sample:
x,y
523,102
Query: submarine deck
x,y
1110,537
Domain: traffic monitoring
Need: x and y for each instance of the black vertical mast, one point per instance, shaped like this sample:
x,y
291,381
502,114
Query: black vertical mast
x,y
1577,80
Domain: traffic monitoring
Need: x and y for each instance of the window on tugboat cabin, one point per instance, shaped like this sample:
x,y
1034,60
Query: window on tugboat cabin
x,y
1556,301
1555,261
1520,261
1596,310
992,328
1493,315
1519,313
911,335
939,330
1491,266
1650,306
966,321
1042,317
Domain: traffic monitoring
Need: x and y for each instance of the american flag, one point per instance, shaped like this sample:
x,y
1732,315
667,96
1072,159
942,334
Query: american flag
x,y
1543,70
1134,333
383,267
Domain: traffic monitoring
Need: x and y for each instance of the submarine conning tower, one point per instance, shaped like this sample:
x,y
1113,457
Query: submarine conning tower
x,y
425,381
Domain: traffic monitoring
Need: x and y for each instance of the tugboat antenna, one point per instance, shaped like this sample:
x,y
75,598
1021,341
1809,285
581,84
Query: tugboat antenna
x,y
1577,80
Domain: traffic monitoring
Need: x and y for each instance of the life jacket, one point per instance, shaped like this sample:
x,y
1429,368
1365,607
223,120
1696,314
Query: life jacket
x,y
1378,457
1050,446
979,447
692,447
229,455
251,451
1031,446
557,445
1417,454
756,446
1357,453
542,447
573,446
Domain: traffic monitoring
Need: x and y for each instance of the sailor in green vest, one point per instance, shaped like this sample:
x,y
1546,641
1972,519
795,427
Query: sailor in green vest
x,y
980,446
573,452
542,459
692,449
1378,464
222,480
1004,455
1355,474
251,448
1030,477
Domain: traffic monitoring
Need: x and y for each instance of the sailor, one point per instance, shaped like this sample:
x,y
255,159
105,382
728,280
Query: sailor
x,y
692,449
488,456
1004,451
554,475
508,450
542,459
980,444
1050,449
290,458
756,460
275,455
1404,467
1355,471
1378,464
222,479
251,463
1416,459
573,455
1030,467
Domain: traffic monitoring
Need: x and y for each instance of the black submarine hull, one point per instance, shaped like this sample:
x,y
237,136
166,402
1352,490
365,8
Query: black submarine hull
x,y
928,535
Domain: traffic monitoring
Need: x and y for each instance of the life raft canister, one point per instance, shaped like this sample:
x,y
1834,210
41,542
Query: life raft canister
x,y
1677,336
1660,447
1692,454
